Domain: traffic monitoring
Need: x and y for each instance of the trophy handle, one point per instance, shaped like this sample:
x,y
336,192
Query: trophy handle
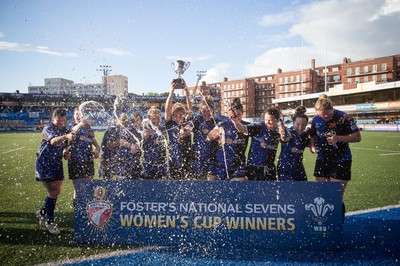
x,y
187,64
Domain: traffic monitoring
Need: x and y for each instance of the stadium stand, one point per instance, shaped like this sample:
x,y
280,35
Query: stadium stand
x,y
30,112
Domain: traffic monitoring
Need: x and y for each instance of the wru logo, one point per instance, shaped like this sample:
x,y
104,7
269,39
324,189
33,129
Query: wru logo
x,y
319,209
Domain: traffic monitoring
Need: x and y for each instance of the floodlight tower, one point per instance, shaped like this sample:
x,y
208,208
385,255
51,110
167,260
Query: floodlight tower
x,y
200,75
106,69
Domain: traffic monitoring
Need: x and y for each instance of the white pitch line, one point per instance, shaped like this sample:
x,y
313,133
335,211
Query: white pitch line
x,y
20,148
369,149
102,256
372,210
386,154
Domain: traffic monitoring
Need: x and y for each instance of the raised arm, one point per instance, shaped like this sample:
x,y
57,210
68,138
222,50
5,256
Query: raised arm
x,y
188,102
236,122
168,103
58,141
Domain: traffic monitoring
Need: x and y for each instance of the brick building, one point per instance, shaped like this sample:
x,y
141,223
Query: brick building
x,y
357,82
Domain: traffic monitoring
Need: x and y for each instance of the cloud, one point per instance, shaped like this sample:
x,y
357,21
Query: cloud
x,y
285,58
278,19
332,30
16,47
216,73
190,58
391,7
1,34
116,52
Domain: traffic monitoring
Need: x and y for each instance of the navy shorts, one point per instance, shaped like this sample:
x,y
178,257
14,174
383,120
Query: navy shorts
x,y
80,170
261,173
107,167
337,170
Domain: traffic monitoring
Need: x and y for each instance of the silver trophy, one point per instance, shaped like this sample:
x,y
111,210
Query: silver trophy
x,y
179,67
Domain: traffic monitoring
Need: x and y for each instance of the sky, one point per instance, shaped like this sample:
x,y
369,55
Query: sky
x,y
141,39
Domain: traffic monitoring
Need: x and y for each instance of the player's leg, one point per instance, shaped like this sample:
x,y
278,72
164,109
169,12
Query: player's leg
x,y
53,190
322,171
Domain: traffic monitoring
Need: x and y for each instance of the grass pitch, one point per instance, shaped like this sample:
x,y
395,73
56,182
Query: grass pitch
x,y
375,183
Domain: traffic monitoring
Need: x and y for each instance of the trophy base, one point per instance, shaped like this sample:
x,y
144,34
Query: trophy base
x,y
178,81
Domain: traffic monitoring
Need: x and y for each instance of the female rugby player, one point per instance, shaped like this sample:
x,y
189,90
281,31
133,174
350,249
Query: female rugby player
x,y
178,131
49,166
264,145
331,132
290,163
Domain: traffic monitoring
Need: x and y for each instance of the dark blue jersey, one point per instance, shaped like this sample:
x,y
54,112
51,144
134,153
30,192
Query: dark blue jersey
x,y
49,165
230,153
202,149
340,124
290,163
81,147
179,148
264,144
132,136
129,164
112,134
154,154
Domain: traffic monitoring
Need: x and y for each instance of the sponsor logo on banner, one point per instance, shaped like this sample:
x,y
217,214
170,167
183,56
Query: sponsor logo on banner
x,y
320,210
99,211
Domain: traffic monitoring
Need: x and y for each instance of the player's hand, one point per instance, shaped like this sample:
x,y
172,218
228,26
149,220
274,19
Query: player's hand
x,y
84,122
184,131
146,133
332,140
213,134
134,148
313,150
282,128
66,154
96,154
174,86
232,116
71,136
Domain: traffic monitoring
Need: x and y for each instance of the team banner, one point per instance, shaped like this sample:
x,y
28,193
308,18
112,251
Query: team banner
x,y
222,213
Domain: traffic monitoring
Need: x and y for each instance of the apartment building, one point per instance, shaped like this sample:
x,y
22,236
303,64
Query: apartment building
x,y
116,85
111,85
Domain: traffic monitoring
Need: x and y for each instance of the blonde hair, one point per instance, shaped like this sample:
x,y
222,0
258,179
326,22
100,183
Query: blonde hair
x,y
153,110
323,103
178,107
123,119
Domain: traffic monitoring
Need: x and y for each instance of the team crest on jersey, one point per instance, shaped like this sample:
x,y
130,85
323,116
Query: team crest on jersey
x,y
319,209
99,211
